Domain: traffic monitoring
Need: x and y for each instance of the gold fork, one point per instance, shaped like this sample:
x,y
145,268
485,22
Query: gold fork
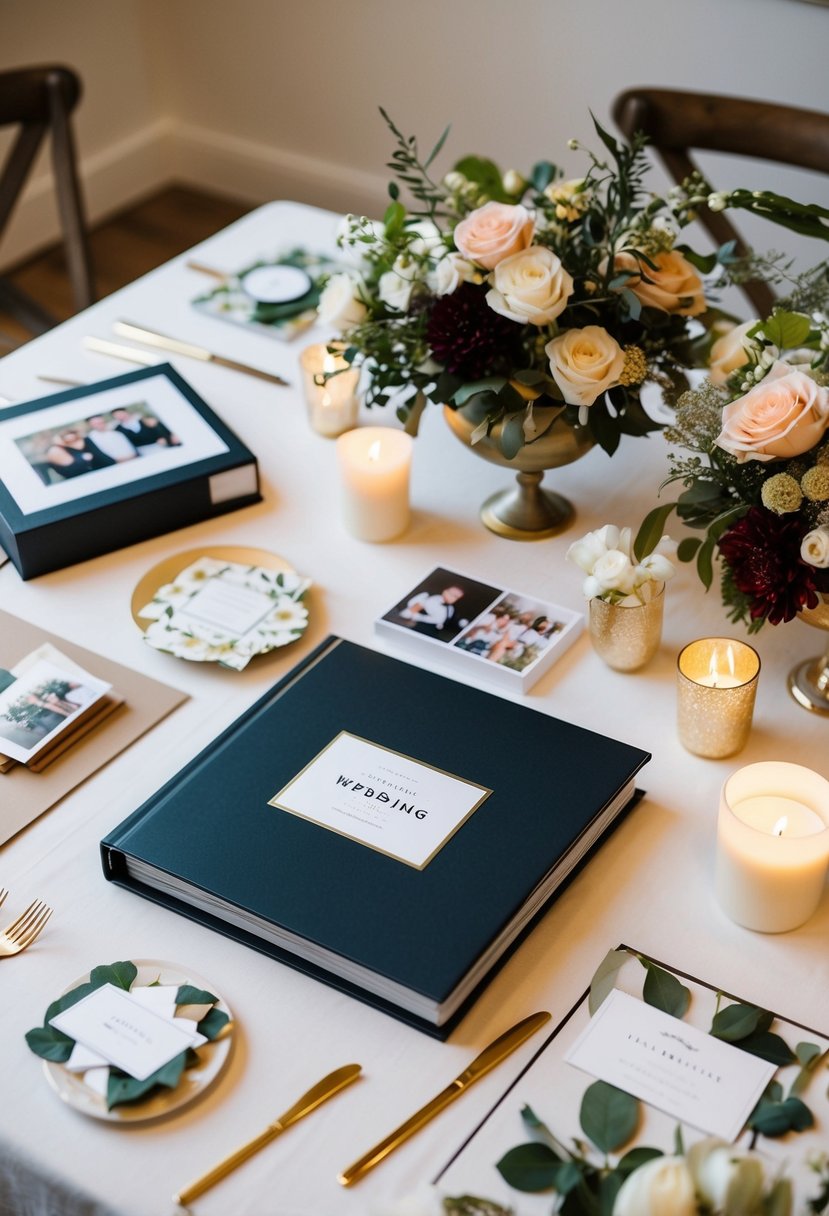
x,y
3,894
26,929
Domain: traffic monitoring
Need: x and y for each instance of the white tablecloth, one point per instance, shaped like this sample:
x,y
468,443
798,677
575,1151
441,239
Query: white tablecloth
x,y
650,886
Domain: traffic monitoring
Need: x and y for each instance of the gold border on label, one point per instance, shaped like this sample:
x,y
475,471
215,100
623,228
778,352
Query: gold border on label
x,y
283,806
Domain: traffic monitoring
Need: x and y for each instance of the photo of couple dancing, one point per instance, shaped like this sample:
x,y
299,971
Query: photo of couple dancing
x,y
96,442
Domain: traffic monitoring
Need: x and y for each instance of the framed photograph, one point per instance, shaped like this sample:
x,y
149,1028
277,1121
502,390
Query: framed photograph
x,y
42,698
95,468
506,637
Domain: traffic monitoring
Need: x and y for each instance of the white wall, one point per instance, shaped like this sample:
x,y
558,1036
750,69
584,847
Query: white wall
x,y
278,98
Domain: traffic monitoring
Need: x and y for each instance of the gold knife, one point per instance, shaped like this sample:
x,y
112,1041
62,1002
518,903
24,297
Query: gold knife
x,y
319,1093
497,1051
126,329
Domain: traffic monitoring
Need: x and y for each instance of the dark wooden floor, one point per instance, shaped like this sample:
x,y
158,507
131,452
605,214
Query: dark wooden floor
x,y
124,247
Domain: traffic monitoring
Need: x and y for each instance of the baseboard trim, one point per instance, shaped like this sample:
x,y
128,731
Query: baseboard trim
x,y
168,151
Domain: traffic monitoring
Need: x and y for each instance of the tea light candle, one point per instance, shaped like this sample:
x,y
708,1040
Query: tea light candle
x,y
374,476
716,687
331,399
772,845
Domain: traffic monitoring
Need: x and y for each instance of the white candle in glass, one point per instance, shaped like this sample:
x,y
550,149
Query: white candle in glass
x,y
718,678
331,399
374,477
772,845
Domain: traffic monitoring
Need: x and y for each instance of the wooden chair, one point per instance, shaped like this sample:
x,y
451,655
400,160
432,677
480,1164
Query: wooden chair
x,y
675,121
39,101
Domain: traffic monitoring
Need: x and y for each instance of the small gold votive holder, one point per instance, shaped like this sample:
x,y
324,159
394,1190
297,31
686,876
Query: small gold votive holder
x,y
716,687
330,386
626,636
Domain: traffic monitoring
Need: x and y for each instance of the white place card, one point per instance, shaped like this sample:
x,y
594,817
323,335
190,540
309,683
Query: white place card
x,y
673,1066
226,607
383,799
124,1032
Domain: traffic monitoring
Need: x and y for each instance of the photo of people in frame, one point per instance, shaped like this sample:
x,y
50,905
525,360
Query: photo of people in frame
x,y
41,702
98,441
514,632
442,605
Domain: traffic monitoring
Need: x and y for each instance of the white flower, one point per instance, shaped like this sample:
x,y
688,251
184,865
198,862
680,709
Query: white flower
x,y
729,1181
586,552
287,615
661,1187
614,572
657,567
428,240
395,286
340,305
451,271
531,287
814,548
585,363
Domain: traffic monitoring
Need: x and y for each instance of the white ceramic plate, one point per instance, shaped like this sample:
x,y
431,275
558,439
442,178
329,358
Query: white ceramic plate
x,y
213,1056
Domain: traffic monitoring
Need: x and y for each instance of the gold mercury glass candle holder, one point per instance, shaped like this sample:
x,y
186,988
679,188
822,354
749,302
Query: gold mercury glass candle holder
x,y
716,687
331,400
626,636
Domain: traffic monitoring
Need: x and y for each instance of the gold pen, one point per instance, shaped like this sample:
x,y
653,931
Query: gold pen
x,y
497,1051
319,1093
127,329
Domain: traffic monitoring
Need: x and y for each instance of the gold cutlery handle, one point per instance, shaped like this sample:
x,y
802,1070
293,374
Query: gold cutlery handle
x,y
220,1171
399,1136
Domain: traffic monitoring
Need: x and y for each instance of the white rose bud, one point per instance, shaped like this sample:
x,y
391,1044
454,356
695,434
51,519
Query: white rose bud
x,y
586,552
395,286
729,1181
592,587
452,270
657,567
614,571
340,306
814,547
513,182
661,1187
610,536
454,181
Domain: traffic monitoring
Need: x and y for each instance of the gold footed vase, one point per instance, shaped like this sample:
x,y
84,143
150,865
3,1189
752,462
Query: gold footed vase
x,y
526,511
809,681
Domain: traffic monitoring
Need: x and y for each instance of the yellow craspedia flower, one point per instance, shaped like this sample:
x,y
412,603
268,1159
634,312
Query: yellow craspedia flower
x,y
823,454
815,483
781,494
635,367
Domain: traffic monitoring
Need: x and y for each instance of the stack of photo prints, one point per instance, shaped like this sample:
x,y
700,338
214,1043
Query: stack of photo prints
x,y
47,705
505,637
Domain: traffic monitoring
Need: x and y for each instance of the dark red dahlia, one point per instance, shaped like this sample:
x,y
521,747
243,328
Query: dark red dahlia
x,y
469,338
763,553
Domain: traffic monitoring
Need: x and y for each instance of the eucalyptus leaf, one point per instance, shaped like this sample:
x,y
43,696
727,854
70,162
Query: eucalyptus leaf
x,y
542,174
50,1044
604,978
486,174
608,1116
769,1047
472,388
569,1176
738,1021
213,1023
807,1054
664,991
188,995
636,1157
122,1088
652,530
529,1167
122,975
687,548
512,435
609,1187
774,1119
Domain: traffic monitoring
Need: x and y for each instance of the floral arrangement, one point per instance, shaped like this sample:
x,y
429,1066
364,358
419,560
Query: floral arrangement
x,y
500,294
622,570
757,482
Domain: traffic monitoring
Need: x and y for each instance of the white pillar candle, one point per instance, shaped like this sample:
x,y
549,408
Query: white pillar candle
x,y
772,845
331,399
374,477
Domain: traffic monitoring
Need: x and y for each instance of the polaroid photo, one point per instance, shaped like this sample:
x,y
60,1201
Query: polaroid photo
x,y
42,698
506,637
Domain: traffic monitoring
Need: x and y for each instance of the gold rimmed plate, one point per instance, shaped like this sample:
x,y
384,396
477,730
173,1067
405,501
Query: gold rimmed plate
x,y
213,1058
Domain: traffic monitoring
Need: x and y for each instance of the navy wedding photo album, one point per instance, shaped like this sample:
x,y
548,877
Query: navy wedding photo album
x,y
390,831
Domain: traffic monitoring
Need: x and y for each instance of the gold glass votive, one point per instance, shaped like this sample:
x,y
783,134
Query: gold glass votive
x,y
716,687
626,636
331,399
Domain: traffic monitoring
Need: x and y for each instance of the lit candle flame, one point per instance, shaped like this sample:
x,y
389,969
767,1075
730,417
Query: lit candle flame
x,y
780,827
374,450
329,365
713,666
712,669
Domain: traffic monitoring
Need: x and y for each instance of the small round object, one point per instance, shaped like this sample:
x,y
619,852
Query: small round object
x,y
276,284
70,1086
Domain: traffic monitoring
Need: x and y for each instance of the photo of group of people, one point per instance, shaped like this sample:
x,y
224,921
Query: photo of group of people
x,y
486,622
95,442
40,700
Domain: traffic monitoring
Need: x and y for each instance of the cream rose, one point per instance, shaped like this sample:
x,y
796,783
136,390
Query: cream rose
x,y
784,415
584,363
340,305
661,1187
451,271
494,232
531,287
729,352
814,548
672,285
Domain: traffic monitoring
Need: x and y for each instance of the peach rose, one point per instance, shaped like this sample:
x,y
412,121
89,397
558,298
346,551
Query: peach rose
x,y
674,286
531,287
783,416
493,232
585,362
729,352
